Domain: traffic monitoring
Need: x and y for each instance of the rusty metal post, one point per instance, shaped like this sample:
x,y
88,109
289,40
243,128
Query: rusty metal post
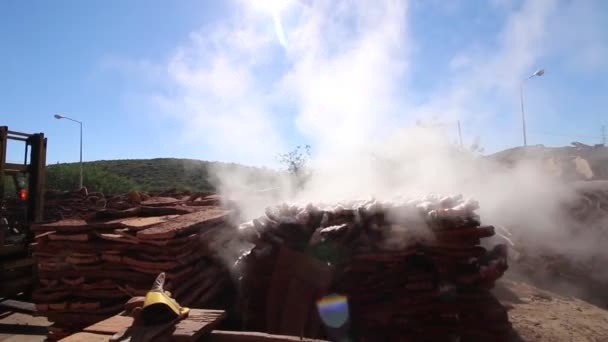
x,y
3,143
36,177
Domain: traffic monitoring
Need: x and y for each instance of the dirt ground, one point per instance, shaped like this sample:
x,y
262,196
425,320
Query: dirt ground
x,y
539,315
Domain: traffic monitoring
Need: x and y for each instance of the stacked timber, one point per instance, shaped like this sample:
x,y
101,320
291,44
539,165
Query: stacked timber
x,y
408,270
89,268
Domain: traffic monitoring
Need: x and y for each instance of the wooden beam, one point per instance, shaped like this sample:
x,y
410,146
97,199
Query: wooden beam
x,y
7,250
18,306
3,143
37,177
12,168
18,134
10,264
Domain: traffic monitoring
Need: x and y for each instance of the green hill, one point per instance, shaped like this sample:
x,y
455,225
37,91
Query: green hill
x,y
117,176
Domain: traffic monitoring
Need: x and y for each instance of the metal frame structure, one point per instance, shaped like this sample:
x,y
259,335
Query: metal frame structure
x,y
17,271
34,168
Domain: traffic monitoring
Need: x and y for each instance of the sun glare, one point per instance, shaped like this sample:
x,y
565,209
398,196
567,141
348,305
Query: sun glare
x,y
271,6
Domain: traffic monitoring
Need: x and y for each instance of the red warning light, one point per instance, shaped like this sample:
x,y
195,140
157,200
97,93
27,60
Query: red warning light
x,y
23,195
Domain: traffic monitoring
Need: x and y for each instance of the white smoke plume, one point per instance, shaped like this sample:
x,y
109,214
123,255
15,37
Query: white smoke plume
x,y
337,75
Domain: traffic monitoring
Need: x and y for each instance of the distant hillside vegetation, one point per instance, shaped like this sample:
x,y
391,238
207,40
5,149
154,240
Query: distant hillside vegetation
x,y
118,176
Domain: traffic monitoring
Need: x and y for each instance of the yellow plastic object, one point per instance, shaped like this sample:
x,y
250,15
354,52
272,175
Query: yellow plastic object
x,y
159,307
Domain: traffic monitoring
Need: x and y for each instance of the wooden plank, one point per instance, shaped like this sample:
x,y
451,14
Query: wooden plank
x,y
164,211
69,237
244,336
139,223
44,236
86,337
184,223
111,325
140,333
19,306
11,249
68,226
16,263
117,214
105,225
161,202
118,238
198,323
12,167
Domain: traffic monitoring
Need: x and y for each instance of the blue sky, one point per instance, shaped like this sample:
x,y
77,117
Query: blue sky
x,y
242,80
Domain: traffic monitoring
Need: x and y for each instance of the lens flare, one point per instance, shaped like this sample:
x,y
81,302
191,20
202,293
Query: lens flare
x,y
333,310
274,8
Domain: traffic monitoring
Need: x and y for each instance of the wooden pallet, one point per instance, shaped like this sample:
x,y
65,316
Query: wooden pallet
x,y
192,328
198,326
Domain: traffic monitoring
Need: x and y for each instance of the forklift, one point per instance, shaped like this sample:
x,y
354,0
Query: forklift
x,y
21,204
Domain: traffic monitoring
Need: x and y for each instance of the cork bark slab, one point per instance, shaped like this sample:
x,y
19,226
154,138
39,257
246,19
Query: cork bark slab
x,y
183,224
139,223
161,202
67,226
297,282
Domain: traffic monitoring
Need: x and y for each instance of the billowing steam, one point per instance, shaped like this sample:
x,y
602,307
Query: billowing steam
x,y
340,83
338,76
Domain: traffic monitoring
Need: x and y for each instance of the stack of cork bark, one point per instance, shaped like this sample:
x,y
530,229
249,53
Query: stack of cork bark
x,y
409,270
60,205
88,269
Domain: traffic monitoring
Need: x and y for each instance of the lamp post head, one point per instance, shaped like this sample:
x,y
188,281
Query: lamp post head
x,y
57,116
539,72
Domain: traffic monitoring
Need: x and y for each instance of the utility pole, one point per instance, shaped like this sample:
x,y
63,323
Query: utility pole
x,y
603,135
442,124
523,115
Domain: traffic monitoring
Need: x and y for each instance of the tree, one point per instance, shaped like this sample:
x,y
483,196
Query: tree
x,y
476,147
296,162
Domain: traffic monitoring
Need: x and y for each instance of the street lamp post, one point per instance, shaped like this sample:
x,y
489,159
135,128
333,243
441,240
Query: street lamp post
x,y
521,97
58,116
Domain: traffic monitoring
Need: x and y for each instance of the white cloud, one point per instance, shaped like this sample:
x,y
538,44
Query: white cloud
x,y
460,61
344,67
345,80
579,35
214,91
